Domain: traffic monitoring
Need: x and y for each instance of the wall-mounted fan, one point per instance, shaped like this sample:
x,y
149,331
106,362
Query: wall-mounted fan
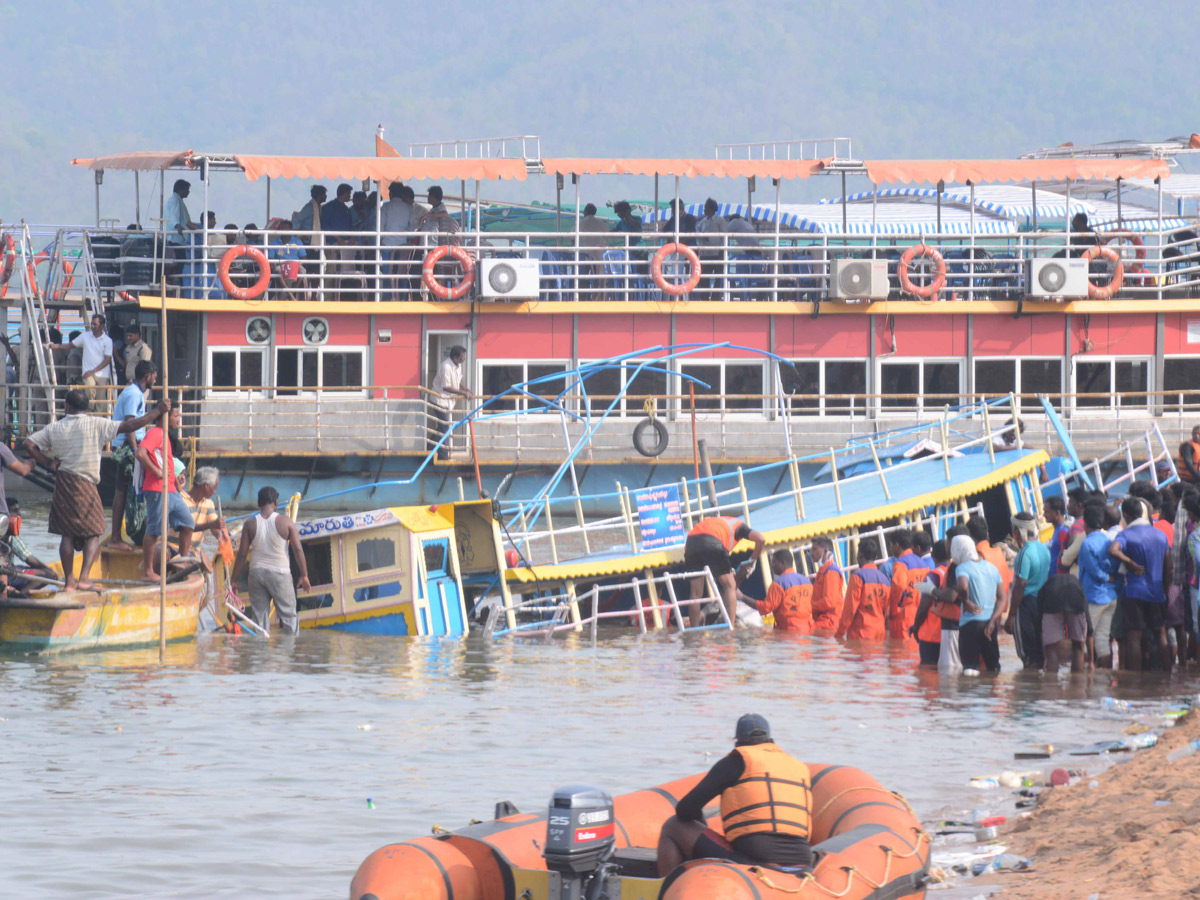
x,y
258,330
316,331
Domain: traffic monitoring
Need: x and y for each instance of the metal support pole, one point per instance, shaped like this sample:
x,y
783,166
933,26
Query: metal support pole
x,y
137,199
837,488
706,471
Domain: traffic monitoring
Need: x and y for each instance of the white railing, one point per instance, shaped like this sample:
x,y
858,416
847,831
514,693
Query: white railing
x,y
521,146
838,148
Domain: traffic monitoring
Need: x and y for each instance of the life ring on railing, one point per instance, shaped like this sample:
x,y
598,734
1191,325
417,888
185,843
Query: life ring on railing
x,y
433,257
661,437
939,275
667,287
1096,292
127,297
1139,254
68,271
264,272
9,248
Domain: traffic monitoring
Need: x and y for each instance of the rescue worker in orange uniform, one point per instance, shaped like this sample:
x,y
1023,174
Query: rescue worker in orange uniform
x,y
927,626
829,589
867,590
907,571
1189,458
789,598
766,808
709,543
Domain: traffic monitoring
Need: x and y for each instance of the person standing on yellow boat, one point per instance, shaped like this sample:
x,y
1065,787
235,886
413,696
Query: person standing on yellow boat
x,y
766,807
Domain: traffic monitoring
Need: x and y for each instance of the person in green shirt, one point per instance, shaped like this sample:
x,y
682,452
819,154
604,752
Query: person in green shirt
x,y
1030,571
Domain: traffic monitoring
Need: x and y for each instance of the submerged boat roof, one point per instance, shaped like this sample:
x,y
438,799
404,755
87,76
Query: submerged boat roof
x,y
863,502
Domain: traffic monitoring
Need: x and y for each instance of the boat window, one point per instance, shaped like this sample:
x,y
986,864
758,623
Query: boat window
x,y
311,367
924,384
1040,376
940,383
236,368
604,385
318,556
435,557
901,379
1122,381
995,376
845,377
496,377
818,387
376,553
803,384
1027,377
739,384
1181,377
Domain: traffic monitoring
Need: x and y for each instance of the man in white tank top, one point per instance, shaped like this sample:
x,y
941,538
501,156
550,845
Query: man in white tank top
x,y
267,537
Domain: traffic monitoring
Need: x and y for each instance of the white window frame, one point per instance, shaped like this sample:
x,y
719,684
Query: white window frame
x,y
822,412
1170,401
681,364
919,362
306,390
523,364
624,408
1020,385
1112,360
237,350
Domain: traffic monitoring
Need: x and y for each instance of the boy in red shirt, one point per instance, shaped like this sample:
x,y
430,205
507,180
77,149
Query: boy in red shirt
x,y
154,454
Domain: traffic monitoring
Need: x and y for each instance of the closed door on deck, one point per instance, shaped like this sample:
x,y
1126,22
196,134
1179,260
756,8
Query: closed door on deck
x,y
441,589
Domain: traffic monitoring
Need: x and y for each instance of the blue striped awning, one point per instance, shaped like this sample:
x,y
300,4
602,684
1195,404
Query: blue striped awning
x,y
1009,201
890,220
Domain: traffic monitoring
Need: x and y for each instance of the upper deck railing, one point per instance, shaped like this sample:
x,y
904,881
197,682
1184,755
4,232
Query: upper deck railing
x,y
588,266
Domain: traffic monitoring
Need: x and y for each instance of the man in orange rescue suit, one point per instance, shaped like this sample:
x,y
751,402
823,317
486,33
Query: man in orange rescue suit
x,y
867,590
766,808
789,598
709,543
908,570
829,589
1189,458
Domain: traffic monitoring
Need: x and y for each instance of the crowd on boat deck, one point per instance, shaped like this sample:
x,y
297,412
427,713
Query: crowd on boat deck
x,y
1116,580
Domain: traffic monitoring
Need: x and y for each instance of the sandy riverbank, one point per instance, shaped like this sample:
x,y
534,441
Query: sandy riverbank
x,y
1113,840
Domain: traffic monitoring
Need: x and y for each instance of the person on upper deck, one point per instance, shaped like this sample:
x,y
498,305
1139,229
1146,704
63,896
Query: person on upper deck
x,y
742,228
711,223
627,223
766,807
438,221
687,221
286,253
1082,235
309,216
179,223
396,219
335,219
592,248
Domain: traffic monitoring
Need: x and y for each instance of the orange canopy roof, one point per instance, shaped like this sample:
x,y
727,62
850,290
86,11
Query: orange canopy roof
x,y
380,168
146,161
687,168
985,171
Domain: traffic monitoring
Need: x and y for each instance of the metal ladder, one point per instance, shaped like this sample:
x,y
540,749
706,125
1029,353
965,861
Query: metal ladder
x,y
36,322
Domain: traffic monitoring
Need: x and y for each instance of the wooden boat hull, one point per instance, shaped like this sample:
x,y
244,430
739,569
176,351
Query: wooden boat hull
x,y
88,620
868,843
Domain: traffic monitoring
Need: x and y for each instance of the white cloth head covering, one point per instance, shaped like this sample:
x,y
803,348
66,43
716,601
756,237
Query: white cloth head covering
x,y
962,549
1027,525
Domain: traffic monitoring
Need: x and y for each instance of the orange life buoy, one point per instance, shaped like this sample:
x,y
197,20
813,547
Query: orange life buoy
x,y
1096,292
128,297
68,271
1137,267
10,257
667,287
264,272
440,290
939,275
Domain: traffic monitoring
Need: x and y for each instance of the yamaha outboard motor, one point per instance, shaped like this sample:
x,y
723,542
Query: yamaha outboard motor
x,y
579,840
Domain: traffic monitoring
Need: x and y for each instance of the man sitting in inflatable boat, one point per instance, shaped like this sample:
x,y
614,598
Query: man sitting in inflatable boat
x,y
766,807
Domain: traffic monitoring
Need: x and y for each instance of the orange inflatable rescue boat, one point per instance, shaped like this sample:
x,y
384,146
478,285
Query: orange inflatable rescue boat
x,y
867,843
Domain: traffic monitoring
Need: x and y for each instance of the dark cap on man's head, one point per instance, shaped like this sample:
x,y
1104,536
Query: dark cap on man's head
x,y
752,729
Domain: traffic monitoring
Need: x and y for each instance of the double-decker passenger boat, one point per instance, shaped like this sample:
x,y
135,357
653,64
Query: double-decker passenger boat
x,y
307,356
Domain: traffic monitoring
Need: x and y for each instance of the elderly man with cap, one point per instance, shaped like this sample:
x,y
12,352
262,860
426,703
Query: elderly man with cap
x,y
766,807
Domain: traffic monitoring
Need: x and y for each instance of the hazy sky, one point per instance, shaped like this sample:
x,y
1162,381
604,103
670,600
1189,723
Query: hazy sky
x,y
966,79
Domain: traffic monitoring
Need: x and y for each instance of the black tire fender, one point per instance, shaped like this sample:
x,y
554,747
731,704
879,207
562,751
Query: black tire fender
x,y
661,437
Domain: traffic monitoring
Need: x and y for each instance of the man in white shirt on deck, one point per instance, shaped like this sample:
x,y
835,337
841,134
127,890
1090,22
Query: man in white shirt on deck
x,y
97,350
447,386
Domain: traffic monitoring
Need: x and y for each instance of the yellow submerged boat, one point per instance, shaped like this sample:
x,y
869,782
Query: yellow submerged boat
x,y
124,612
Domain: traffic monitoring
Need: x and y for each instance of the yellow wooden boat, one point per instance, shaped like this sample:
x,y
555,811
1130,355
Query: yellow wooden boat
x,y
124,612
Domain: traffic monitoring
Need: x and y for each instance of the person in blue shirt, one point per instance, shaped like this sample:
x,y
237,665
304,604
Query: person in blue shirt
x,y
1098,574
286,253
923,547
336,219
1056,515
1030,570
978,587
131,404
1146,554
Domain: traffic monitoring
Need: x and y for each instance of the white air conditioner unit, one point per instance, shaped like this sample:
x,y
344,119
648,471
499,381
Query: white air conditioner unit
x,y
509,279
1056,277
860,279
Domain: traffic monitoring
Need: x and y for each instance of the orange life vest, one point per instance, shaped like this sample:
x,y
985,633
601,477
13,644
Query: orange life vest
x,y
906,572
947,612
864,617
931,628
789,599
1184,473
773,796
720,527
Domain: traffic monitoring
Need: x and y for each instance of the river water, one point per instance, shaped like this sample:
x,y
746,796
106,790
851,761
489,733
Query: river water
x,y
244,767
